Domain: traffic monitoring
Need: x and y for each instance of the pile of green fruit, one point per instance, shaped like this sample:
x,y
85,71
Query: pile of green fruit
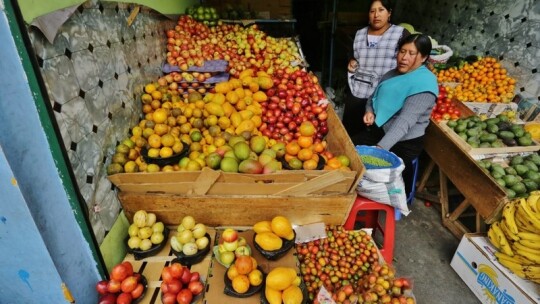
x,y
207,15
519,178
493,132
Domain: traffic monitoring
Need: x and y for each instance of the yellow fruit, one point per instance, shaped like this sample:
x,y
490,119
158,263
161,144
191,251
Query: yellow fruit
x,y
149,88
260,96
165,152
154,141
160,115
281,226
268,241
280,278
265,82
262,226
292,295
232,272
272,296
255,277
214,109
246,73
246,125
240,283
139,218
223,87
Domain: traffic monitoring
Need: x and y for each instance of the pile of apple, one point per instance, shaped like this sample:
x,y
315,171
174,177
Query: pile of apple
x,y
190,237
145,231
124,285
187,82
179,284
232,246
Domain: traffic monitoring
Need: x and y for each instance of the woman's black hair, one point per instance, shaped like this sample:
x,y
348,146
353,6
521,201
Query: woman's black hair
x,y
387,4
421,42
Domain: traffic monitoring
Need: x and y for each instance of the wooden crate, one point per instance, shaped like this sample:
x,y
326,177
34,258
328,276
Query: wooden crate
x,y
219,198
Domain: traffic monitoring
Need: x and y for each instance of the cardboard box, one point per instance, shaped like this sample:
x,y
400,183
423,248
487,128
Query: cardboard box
x,y
491,109
528,109
217,198
491,282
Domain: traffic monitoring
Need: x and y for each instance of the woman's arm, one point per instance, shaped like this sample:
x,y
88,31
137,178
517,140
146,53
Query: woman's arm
x,y
413,109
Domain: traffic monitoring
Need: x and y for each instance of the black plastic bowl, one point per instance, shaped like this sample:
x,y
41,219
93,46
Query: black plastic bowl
x,y
228,289
155,249
188,260
274,255
160,161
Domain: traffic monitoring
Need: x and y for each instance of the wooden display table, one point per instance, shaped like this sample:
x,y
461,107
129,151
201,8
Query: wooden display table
x,y
455,164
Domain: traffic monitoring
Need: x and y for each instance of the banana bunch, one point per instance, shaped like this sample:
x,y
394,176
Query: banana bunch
x,y
517,237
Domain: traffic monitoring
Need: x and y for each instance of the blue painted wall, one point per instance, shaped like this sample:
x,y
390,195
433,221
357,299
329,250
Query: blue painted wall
x,y
41,241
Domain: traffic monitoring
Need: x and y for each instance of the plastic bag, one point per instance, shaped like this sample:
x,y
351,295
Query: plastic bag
x,y
386,186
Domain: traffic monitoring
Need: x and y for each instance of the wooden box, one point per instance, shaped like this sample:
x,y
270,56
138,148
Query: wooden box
x,y
218,198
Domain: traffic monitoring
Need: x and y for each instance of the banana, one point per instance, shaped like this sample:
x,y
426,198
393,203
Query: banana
x,y
509,235
532,200
508,215
515,259
493,238
505,246
531,244
530,214
526,253
524,223
522,247
529,236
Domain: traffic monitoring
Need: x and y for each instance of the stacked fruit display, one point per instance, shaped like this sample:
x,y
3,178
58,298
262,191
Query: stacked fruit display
x,y
244,274
342,262
269,235
493,132
145,231
190,238
179,285
206,14
484,80
124,285
517,237
231,246
445,108
518,175
124,158
283,286
187,82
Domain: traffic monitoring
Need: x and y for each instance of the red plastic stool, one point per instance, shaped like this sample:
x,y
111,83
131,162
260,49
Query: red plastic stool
x,y
366,211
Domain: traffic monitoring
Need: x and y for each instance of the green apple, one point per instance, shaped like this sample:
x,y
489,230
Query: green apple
x,y
230,246
188,222
227,257
199,230
202,242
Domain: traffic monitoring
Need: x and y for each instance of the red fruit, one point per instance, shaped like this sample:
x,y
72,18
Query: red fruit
x,y
196,287
124,298
166,274
109,298
137,292
174,286
120,272
114,286
184,296
176,270
195,276
186,276
101,287
168,298
129,284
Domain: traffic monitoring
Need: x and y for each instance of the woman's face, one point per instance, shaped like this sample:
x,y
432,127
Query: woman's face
x,y
409,58
379,16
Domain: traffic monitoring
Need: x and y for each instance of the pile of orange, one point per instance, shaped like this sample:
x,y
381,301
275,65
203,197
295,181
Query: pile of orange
x,y
482,81
304,152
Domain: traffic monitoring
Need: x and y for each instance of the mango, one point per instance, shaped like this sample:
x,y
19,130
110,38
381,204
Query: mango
x,y
246,125
292,295
250,166
242,151
265,82
246,73
282,227
214,109
269,241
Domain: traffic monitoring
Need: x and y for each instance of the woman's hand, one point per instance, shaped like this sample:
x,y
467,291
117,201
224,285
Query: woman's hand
x,y
369,118
353,65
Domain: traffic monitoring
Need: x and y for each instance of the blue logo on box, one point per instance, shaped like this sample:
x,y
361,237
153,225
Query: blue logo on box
x,y
487,279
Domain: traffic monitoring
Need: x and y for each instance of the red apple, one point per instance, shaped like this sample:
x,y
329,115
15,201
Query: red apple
x,y
184,296
196,287
229,235
186,276
114,286
109,298
101,287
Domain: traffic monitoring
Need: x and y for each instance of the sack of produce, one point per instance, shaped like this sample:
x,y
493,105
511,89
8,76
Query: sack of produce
x,y
382,182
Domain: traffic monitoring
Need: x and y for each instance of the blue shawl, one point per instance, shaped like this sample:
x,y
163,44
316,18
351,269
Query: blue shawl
x,y
391,94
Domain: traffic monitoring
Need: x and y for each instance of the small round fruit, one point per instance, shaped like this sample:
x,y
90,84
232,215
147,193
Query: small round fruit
x,y
255,277
188,222
150,219
134,242
199,230
190,249
145,244
145,232
158,227
133,230
240,283
202,242
157,238
185,236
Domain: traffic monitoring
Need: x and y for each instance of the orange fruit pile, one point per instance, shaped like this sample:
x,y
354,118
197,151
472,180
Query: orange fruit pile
x,y
482,81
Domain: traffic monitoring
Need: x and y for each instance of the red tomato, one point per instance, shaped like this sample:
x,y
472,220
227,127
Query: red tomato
x,y
129,268
114,286
124,298
119,272
174,286
137,292
129,284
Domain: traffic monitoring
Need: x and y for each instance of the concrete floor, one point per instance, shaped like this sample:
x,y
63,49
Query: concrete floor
x,y
423,251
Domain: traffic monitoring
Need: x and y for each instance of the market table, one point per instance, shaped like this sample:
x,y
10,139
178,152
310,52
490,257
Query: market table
x,y
456,165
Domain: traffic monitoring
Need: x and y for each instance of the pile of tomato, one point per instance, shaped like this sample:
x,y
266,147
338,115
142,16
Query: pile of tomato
x,y
445,108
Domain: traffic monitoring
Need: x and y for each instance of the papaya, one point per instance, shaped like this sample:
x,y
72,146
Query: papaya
x,y
268,241
292,295
282,227
262,226
280,278
272,296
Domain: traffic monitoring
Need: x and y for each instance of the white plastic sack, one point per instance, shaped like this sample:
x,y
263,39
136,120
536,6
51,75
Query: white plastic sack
x,y
385,186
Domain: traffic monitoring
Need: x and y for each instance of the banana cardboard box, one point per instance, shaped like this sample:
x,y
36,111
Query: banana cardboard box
x,y
492,283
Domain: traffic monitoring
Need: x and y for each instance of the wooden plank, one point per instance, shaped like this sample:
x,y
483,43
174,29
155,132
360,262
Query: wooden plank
x,y
443,195
462,170
459,210
425,176
240,210
309,187
205,181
